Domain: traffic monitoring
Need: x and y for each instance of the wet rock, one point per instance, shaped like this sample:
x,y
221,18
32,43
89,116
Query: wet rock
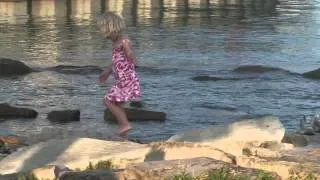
x,y
137,104
14,176
315,74
4,150
256,69
13,140
64,116
316,125
137,115
296,139
207,78
307,131
9,67
9,144
65,69
7,111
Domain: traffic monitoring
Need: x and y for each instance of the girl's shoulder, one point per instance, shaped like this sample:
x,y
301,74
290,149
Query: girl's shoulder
x,y
126,40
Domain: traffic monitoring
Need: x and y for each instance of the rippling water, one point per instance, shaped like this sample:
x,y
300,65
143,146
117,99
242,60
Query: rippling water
x,y
174,42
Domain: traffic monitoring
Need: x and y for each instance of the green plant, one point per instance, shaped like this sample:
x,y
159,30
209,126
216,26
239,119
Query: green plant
x,y
183,176
264,176
101,165
224,174
29,176
309,176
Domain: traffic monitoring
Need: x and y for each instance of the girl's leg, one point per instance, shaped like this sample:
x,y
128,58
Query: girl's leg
x,y
118,111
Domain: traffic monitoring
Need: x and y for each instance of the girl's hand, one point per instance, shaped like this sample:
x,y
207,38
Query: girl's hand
x,y
103,77
105,74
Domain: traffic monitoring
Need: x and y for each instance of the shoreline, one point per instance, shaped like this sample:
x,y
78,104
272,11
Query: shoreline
x,y
270,150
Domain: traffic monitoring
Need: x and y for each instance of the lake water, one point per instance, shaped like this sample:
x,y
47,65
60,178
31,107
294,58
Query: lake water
x,y
174,41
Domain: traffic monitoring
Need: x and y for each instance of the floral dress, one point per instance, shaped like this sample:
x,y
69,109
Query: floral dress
x,y
126,81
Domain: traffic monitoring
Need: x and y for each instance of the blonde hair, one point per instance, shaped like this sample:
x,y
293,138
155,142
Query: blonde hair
x,y
111,25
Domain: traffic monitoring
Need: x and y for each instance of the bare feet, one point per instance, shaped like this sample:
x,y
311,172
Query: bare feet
x,y
123,131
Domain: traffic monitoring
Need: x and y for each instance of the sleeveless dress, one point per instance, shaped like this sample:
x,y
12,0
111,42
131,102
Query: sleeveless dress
x,y
126,81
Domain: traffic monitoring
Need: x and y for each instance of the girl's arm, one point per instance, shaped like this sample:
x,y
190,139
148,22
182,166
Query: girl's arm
x,y
108,70
105,74
129,51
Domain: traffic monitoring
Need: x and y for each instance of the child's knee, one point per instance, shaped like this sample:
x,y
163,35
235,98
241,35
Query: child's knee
x,y
107,102
110,103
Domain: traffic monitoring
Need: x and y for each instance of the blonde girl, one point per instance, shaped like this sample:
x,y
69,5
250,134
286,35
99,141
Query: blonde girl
x,y
126,85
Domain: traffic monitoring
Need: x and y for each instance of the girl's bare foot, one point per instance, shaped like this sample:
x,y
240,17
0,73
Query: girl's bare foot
x,y
123,131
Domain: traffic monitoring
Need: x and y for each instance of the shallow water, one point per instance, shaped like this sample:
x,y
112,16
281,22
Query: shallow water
x,y
174,42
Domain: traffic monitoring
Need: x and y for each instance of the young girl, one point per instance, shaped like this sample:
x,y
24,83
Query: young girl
x,y
126,85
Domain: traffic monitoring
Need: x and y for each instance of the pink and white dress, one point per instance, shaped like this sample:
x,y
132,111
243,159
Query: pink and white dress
x,y
126,81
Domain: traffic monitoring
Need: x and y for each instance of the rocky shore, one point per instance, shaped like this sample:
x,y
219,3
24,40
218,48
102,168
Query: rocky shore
x,y
251,148
245,149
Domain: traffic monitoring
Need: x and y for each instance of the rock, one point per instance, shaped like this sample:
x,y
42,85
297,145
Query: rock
x,y
307,131
5,150
260,152
49,172
64,116
282,167
88,176
137,104
296,139
275,146
272,145
7,111
9,67
313,140
18,176
161,170
138,115
232,138
9,144
183,150
293,163
84,70
76,153
316,125
315,74
303,156
207,78
2,156
9,177
256,69
193,166
12,140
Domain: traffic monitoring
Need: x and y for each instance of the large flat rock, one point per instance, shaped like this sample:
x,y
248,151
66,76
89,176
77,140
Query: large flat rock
x,y
76,153
233,137
162,170
195,167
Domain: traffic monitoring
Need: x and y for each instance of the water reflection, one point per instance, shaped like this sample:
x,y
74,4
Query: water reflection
x,y
135,11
